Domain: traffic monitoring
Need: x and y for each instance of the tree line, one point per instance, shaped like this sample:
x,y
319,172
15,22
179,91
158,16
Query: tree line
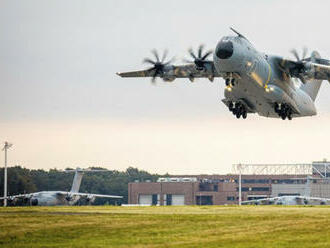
x,y
111,182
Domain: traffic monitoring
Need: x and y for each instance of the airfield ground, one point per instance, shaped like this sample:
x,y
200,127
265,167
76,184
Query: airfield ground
x,y
187,226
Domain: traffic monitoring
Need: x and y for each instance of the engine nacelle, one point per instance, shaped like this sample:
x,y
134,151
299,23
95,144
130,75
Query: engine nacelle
x,y
90,199
34,202
309,71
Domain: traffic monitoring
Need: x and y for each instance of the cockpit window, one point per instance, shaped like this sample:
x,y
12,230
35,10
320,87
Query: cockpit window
x,y
225,49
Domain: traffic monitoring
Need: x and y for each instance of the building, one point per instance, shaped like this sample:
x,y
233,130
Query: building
x,y
257,181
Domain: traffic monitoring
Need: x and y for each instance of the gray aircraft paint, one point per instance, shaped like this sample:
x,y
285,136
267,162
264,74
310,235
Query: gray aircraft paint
x,y
259,83
262,83
56,198
76,181
289,200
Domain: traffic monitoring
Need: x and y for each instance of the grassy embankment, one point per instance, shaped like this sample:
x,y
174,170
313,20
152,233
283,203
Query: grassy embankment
x,y
188,226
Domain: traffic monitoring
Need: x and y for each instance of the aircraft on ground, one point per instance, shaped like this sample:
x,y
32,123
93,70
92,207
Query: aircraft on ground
x,y
56,198
289,200
255,82
306,199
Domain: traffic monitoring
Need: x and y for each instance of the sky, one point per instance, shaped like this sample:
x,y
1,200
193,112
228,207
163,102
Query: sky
x,y
62,105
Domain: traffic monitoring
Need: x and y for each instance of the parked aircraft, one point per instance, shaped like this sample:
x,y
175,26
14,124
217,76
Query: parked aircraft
x,y
55,198
306,199
255,82
289,200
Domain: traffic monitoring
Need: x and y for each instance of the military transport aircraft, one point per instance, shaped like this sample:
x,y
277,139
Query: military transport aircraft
x,y
55,198
255,82
305,199
289,200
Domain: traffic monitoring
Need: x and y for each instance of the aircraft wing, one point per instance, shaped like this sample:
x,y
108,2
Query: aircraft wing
x,y
313,198
307,69
141,73
91,195
22,196
171,72
320,71
270,200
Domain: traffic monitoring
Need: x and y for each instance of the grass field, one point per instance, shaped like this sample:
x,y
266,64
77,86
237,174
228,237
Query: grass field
x,y
188,226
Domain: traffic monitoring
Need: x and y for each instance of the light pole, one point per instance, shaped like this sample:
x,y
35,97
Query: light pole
x,y
5,148
240,185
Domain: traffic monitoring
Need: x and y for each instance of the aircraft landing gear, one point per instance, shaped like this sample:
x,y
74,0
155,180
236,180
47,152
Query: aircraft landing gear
x,y
238,109
283,110
230,81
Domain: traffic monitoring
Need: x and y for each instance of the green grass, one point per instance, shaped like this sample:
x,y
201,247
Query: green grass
x,y
188,226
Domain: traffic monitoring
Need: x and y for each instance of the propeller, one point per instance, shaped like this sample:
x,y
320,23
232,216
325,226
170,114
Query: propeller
x,y
296,54
158,65
300,65
68,197
200,59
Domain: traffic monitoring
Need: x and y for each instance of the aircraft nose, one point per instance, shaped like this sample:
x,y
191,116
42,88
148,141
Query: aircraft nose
x,y
224,49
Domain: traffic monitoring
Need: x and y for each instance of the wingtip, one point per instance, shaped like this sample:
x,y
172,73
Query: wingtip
x,y
118,73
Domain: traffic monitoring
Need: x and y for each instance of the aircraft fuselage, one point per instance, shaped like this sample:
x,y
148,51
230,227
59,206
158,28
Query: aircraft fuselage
x,y
261,84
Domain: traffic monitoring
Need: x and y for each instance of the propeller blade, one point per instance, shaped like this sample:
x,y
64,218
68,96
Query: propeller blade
x,y
305,50
149,61
153,80
206,55
295,53
155,53
170,61
164,55
192,53
200,50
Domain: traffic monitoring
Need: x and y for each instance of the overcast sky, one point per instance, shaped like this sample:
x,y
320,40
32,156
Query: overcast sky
x,y
62,104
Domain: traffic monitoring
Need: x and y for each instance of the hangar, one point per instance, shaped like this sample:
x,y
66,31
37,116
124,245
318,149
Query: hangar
x,y
246,182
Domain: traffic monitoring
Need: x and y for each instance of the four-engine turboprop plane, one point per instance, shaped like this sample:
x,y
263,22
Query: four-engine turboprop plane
x,y
255,82
289,200
305,199
56,198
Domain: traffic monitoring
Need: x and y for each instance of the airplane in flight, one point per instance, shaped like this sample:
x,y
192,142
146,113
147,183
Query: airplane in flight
x,y
255,82
57,198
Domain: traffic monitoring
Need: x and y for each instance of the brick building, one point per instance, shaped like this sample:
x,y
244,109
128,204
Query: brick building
x,y
224,189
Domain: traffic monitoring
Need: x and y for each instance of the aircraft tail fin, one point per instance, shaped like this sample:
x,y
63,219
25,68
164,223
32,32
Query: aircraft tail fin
x,y
77,180
312,87
78,177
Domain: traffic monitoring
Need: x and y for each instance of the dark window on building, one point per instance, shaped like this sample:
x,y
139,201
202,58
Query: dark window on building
x,y
154,199
231,198
204,200
208,187
288,181
168,199
260,189
244,189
